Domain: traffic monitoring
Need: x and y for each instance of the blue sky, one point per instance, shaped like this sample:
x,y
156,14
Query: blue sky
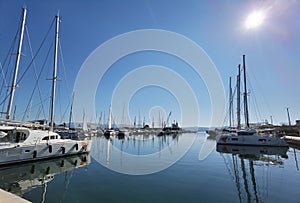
x,y
216,26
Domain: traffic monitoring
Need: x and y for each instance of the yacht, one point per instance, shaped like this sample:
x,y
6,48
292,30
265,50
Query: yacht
x,y
248,136
21,144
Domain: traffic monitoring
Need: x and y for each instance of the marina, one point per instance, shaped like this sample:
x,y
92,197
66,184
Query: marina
x,y
125,102
240,174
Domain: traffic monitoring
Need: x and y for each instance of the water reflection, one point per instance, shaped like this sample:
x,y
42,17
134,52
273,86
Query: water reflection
x,y
141,154
22,178
241,166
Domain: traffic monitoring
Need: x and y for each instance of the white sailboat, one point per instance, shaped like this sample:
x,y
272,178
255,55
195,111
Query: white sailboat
x,y
110,131
248,136
22,144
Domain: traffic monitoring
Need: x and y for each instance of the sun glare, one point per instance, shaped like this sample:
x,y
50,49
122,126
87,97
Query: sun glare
x,y
255,19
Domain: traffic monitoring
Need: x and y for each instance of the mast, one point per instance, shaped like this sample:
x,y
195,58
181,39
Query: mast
x,y
54,75
84,123
245,95
230,103
239,97
134,122
139,124
100,120
110,117
71,111
14,82
288,114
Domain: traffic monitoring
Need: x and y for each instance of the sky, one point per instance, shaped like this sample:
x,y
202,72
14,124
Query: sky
x,y
150,83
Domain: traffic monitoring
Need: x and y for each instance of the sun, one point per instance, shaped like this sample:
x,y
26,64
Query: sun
x,y
255,19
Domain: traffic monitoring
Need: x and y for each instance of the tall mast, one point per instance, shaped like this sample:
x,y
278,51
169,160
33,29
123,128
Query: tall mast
x,y
230,103
245,95
54,74
238,102
288,114
71,111
14,82
110,117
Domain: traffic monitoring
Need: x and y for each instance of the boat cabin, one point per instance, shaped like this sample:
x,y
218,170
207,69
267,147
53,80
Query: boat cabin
x,y
246,132
13,135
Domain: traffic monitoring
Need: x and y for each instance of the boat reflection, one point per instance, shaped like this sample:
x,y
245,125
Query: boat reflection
x,y
242,166
22,178
253,151
141,153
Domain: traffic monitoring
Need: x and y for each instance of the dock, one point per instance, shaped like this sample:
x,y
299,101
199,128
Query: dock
x,y
9,197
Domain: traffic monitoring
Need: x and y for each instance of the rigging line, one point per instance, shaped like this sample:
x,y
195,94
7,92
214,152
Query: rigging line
x,y
4,99
9,55
256,110
36,83
64,69
3,76
264,99
35,71
3,82
227,111
65,112
233,94
255,100
65,77
59,101
24,112
43,41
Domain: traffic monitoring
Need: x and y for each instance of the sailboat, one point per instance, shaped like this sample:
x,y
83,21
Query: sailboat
x,y
110,131
248,136
22,144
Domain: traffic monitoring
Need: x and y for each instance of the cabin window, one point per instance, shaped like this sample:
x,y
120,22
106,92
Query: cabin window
x,y
262,140
235,139
52,137
50,148
18,136
23,136
46,138
27,150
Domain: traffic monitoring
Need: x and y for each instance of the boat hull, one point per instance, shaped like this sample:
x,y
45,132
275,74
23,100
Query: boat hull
x,y
27,153
251,140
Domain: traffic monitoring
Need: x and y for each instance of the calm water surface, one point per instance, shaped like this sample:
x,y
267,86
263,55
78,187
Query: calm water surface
x,y
246,175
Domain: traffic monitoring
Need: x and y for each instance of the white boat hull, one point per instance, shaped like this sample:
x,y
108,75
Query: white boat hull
x,y
251,140
10,154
